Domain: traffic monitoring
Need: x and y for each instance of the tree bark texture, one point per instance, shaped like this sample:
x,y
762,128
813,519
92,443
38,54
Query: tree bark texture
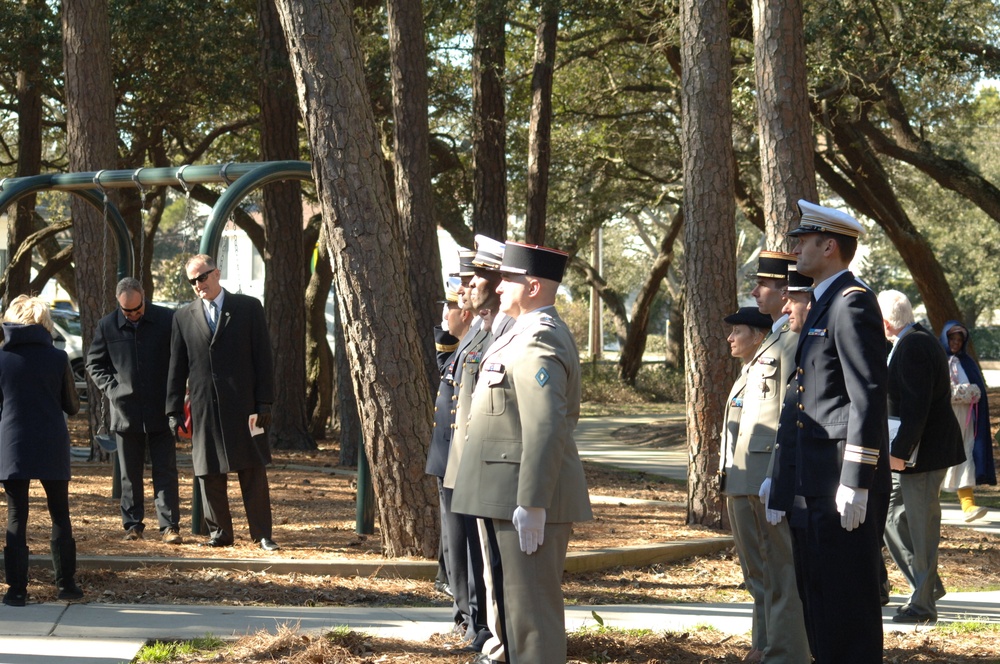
x,y
540,124
630,360
489,124
709,242
869,190
319,357
286,273
91,144
366,246
786,152
29,144
414,201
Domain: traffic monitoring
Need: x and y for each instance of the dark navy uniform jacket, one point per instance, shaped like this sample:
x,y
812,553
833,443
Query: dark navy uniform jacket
x,y
842,393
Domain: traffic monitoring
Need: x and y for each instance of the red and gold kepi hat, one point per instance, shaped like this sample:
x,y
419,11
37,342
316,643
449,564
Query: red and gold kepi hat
x,y
534,261
774,264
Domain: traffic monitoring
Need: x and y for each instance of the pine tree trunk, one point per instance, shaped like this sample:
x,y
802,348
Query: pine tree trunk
x,y
489,124
786,151
286,272
366,245
408,68
91,144
29,146
709,243
540,124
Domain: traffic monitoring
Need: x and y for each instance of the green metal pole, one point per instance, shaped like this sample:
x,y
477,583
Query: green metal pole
x,y
230,199
365,511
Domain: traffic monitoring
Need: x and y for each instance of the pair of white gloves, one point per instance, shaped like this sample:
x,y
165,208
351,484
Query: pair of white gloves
x,y
530,525
851,503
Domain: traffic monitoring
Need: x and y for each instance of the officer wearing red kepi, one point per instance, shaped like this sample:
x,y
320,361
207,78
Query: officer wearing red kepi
x,y
842,465
521,469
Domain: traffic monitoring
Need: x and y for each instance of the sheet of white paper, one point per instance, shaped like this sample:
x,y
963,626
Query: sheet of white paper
x,y
254,429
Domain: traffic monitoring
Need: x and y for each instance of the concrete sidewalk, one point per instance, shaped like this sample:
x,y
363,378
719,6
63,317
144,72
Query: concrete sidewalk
x,y
113,633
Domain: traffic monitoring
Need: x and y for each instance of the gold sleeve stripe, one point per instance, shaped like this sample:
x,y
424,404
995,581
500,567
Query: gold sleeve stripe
x,y
853,289
863,455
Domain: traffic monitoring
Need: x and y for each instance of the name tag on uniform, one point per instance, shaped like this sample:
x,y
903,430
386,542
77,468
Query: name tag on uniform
x,y
817,332
492,373
736,403
765,360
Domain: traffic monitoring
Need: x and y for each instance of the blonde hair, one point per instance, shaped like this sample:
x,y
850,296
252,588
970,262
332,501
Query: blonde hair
x,y
29,311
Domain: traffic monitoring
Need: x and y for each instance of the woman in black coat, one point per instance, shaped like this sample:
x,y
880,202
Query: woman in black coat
x,y
36,388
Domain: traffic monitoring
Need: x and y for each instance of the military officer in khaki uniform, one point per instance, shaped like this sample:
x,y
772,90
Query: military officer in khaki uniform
x,y
739,465
521,468
779,631
480,297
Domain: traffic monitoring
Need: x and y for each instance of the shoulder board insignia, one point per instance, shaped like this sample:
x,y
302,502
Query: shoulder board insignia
x,y
853,289
547,321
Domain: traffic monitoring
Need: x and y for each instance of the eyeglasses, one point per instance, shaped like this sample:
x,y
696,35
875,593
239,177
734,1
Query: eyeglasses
x,y
134,309
200,279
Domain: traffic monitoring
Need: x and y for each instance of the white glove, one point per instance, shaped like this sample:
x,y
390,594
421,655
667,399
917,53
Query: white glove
x,y
530,525
773,517
852,504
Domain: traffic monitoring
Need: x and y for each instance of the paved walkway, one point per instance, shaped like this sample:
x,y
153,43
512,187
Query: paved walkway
x,y
84,633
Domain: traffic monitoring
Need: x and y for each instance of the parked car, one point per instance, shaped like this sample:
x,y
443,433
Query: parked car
x,y
67,334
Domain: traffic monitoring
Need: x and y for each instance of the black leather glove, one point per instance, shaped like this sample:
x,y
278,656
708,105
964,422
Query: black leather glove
x,y
263,415
176,422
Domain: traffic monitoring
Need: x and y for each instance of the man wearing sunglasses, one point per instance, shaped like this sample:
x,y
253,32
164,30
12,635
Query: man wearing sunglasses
x,y
220,351
129,359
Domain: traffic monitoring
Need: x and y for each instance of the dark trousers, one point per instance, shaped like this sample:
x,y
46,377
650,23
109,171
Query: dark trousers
x,y
163,459
256,501
460,536
840,581
57,497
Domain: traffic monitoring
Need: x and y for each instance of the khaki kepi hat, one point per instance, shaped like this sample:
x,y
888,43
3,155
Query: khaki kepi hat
x,y
534,261
819,219
774,264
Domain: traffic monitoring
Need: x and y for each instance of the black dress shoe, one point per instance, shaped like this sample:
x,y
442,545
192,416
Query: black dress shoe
x,y
268,544
909,616
217,542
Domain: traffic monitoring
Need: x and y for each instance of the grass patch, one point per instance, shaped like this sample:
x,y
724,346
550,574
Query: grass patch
x,y
974,625
168,651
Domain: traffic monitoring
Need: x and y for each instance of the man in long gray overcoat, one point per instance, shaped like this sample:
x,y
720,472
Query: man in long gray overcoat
x,y
220,351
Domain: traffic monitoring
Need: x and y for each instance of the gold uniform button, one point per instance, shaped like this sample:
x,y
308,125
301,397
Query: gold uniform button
x,y
801,407
800,371
800,425
801,389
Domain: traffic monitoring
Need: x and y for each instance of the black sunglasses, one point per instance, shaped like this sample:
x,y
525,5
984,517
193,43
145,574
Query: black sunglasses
x,y
133,310
200,279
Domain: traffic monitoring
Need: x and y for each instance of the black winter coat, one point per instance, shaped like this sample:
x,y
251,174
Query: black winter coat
x,y
36,388
130,364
